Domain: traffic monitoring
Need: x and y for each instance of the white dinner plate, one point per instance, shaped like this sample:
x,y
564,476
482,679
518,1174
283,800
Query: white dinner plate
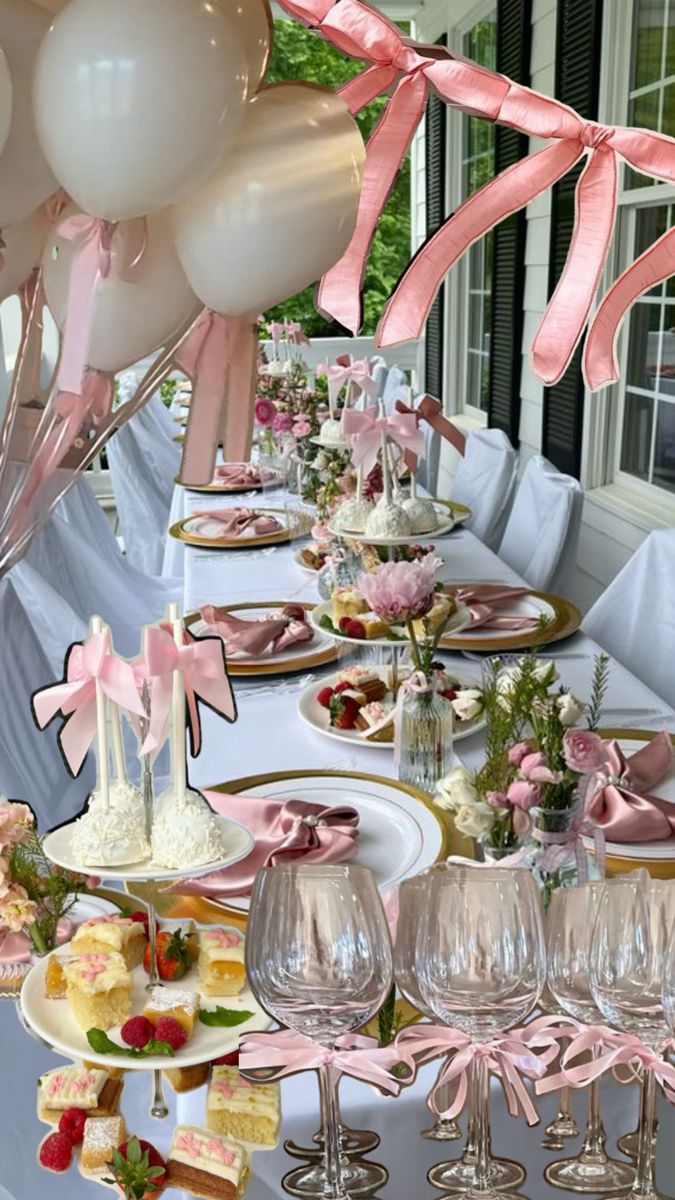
x,y
299,657
457,623
237,838
446,523
53,1021
208,527
314,715
521,606
665,790
400,832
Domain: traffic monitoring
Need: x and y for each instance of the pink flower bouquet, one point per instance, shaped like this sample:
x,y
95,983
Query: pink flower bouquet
x,y
401,591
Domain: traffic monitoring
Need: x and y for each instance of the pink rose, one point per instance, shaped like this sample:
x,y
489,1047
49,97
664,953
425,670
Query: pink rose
x,y
584,751
282,422
302,429
497,800
517,753
522,794
265,411
533,767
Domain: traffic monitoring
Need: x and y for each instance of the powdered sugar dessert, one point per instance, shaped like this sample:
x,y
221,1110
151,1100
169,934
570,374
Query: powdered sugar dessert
x,y
421,514
351,516
388,520
185,831
112,836
330,433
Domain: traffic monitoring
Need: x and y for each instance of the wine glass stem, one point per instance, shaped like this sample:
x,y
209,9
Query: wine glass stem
x,y
594,1139
329,1105
480,1108
644,1169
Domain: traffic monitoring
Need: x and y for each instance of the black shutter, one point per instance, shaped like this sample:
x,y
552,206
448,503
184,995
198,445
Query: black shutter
x,y
435,174
577,84
514,43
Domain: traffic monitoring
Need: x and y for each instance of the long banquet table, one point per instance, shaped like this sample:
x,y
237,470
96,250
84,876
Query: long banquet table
x,y
269,736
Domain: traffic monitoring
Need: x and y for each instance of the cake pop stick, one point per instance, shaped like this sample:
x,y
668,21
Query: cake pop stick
x,y
116,726
179,770
359,483
96,626
386,481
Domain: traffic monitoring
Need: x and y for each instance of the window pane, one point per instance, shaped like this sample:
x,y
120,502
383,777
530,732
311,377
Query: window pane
x,y
650,224
670,41
475,330
664,452
647,41
643,346
637,435
668,119
644,110
473,379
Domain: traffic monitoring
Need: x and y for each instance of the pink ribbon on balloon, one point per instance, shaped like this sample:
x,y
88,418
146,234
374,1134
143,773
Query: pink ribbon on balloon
x,y
75,697
618,798
284,831
356,375
286,1052
252,639
366,429
237,521
18,948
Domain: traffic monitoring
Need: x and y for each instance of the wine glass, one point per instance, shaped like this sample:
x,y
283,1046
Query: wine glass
x,y
629,949
457,1175
319,960
481,965
569,927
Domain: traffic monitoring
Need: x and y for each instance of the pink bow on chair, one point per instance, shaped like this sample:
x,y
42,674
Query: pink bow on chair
x,y
366,429
618,798
286,1052
252,639
75,696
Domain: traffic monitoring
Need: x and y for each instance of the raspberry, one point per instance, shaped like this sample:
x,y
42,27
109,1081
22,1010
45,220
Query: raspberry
x,y
143,918
227,1060
137,1032
356,629
56,1152
324,696
343,623
72,1124
342,687
170,1031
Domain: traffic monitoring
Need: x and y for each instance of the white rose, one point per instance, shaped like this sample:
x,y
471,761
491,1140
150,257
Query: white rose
x,y
320,462
468,704
456,789
474,819
570,710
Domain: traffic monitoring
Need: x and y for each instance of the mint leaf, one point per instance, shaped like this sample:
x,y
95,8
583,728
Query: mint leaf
x,y
223,1016
326,623
102,1044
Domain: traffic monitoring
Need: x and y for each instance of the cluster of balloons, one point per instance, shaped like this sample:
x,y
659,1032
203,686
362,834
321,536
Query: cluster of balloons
x,y
157,109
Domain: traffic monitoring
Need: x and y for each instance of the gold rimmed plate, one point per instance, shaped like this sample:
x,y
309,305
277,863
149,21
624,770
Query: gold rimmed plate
x,y
292,526
303,657
563,619
222,489
460,512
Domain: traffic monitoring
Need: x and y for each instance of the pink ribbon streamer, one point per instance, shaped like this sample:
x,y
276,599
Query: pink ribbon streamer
x,y
91,262
286,1052
205,356
430,409
18,948
236,522
284,831
366,429
75,696
267,635
618,798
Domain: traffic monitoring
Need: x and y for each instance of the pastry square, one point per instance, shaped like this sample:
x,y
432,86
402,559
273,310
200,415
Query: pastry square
x,y
101,935
370,717
346,602
369,682
102,1135
186,1079
203,1164
442,608
179,1003
77,1087
374,626
249,1112
221,962
98,990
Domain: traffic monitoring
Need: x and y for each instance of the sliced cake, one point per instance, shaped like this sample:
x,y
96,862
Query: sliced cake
x,y
179,1003
102,1135
221,962
92,1089
203,1164
247,1111
98,990
100,935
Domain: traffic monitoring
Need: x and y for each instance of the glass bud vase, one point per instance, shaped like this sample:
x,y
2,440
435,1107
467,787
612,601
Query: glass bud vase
x,y
424,738
555,853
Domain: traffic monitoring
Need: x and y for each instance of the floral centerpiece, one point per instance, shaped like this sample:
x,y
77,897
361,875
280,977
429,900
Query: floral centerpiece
x,y
34,894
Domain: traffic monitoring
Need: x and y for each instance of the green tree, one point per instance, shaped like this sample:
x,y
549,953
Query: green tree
x,y
299,54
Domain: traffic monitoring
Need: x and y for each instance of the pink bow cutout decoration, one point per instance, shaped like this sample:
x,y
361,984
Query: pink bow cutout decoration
x,y
205,357
75,697
286,1052
597,1049
484,602
295,333
253,639
284,831
619,799
366,429
276,330
430,409
18,948
202,664
238,521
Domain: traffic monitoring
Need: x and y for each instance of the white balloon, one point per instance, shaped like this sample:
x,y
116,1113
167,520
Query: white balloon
x,y
25,177
282,210
5,99
253,22
137,308
136,100
24,244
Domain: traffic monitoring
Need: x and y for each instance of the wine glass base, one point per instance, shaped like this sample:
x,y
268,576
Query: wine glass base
x,y
591,1174
358,1179
459,1176
563,1127
443,1131
628,1144
353,1144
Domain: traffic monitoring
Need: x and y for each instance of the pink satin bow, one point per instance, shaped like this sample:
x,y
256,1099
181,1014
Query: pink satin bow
x,y
366,429
618,798
355,374
483,599
18,948
430,409
284,831
75,696
252,639
237,521
286,1052
608,1050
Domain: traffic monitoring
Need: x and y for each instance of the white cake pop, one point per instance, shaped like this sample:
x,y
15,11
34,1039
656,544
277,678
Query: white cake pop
x,y
388,520
185,831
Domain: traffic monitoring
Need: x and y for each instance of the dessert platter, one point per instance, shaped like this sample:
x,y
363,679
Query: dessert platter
x,y
265,637
240,528
231,479
357,705
347,618
391,523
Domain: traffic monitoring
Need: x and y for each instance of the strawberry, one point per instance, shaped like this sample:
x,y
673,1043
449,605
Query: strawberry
x,y
227,1060
173,955
137,1169
343,712
324,696
343,623
343,686
449,694
356,629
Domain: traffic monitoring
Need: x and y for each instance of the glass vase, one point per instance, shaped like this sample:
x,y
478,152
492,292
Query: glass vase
x,y
424,738
555,853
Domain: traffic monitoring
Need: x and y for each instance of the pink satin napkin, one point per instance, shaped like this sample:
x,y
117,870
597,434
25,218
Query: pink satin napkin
x,y
619,798
18,948
237,521
265,636
240,475
284,831
484,598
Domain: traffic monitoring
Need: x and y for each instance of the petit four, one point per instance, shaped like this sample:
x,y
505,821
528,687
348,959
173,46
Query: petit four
x,y
101,934
98,990
330,433
373,625
185,833
179,1003
376,722
112,835
90,1088
346,602
249,1112
102,1135
204,1164
221,962
364,680
186,1079
440,612
388,520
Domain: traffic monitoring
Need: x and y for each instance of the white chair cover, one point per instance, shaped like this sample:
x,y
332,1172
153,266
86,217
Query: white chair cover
x,y
173,565
144,461
379,371
80,508
541,538
485,480
634,618
394,387
427,471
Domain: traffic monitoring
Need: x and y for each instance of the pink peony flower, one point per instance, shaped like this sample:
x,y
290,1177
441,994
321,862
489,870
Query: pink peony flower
x,y
533,766
265,411
16,822
517,753
397,591
16,910
497,799
522,794
584,751
282,422
302,429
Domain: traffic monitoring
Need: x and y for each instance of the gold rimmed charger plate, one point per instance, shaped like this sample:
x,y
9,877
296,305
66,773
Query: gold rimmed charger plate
x,y
217,489
282,666
615,864
566,621
279,537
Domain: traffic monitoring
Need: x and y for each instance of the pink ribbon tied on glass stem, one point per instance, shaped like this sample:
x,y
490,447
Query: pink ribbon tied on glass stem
x,y
286,1053
618,798
597,1050
366,429
75,697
